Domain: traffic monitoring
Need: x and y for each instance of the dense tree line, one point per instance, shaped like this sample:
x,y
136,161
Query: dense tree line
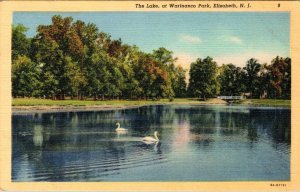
x,y
75,59
255,80
72,58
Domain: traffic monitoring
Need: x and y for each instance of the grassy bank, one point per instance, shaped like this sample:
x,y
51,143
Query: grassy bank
x,y
266,102
48,102
86,103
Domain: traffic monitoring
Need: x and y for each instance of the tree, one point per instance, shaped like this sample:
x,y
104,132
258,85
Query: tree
x,y
132,88
280,78
179,84
50,47
74,58
203,78
263,81
166,61
286,84
115,83
62,48
164,56
153,79
74,76
252,70
25,77
20,43
231,80
85,45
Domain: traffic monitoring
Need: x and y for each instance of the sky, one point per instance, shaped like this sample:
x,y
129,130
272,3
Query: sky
x,y
227,37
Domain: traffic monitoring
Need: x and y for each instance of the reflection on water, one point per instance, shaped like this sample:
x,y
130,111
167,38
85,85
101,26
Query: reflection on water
x,y
197,143
38,135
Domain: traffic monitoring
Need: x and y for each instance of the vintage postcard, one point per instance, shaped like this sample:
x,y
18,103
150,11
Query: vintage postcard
x,y
149,95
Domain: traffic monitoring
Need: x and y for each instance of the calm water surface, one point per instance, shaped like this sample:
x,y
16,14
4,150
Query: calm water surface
x,y
197,143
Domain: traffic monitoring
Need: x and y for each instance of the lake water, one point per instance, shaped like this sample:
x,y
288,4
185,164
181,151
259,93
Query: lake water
x,y
197,143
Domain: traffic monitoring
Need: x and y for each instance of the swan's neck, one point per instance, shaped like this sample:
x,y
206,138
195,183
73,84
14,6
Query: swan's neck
x,y
155,136
118,126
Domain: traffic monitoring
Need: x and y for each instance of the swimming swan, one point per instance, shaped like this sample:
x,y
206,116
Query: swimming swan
x,y
120,129
149,139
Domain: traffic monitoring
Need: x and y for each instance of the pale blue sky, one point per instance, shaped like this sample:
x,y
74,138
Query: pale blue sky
x,y
227,37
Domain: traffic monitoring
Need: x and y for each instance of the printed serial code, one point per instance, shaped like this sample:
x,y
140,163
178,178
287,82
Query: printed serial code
x,y
278,185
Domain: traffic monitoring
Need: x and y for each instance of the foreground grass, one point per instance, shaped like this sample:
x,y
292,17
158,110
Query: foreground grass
x,y
266,102
86,103
48,102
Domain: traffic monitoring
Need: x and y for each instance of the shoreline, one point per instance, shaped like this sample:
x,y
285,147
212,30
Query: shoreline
x,y
57,108
53,109
113,105
107,107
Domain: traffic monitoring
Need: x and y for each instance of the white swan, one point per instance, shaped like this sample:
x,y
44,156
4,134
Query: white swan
x,y
149,140
120,129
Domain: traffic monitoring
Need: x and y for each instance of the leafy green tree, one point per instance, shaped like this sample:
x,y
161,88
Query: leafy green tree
x,y
61,48
74,58
231,80
252,70
166,61
84,37
164,56
280,78
25,77
203,81
123,57
115,48
49,85
179,84
286,84
115,83
74,76
96,73
50,47
131,88
153,79
263,80
20,43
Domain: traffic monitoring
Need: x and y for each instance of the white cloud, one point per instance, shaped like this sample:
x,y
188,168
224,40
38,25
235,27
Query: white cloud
x,y
233,39
190,39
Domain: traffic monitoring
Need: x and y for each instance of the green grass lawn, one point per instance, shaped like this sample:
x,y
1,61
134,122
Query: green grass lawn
x,y
48,102
266,102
